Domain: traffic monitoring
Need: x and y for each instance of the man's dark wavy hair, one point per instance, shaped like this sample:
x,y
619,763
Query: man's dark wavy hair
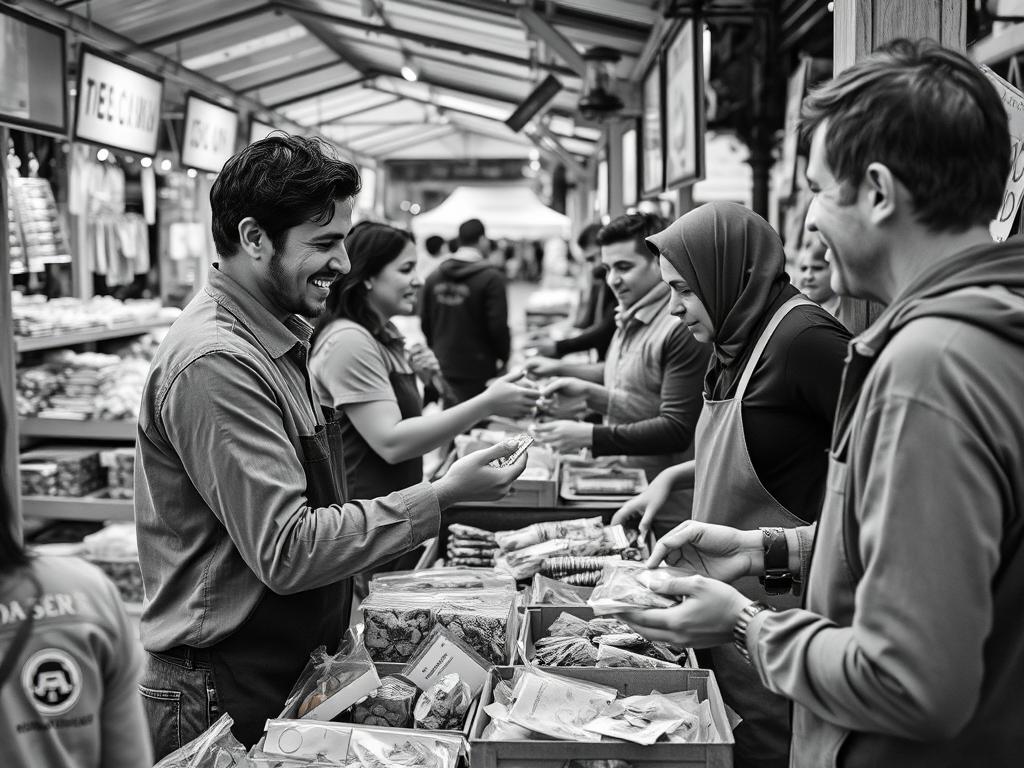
x,y
281,181
931,117
632,226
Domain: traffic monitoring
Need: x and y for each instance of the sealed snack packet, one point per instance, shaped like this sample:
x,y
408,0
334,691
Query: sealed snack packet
x,y
443,653
500,728
443,706
642,719
583,528
611,656
391,705
565,652
433,579
549,591
331,684
396,623
485,621
394,748
558,706
214,748
620,590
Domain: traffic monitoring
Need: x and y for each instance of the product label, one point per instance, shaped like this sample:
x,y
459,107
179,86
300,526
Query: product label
x,y
445,658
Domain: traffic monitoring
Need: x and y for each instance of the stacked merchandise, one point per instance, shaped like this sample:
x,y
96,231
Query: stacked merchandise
x,y
478,606
469,546
120,466
573,551
42,235
15,246
86,385
573,641
60,471
38,316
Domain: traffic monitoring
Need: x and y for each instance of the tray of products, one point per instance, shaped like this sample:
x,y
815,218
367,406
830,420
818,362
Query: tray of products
x,y
612,483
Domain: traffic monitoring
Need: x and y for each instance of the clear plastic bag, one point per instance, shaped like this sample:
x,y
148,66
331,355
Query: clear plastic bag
x,y
443,706
330,684
548,591
643,719
558,706
611,656
581,529
391,705
401,748
620,590
446,579
216,747
444,653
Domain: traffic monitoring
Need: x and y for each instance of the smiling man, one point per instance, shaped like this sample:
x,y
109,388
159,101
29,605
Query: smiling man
x,y
909,648
649,387
247,539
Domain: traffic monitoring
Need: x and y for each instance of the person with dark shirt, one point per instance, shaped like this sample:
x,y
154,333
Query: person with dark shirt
x,y
597,315
464,316
769,398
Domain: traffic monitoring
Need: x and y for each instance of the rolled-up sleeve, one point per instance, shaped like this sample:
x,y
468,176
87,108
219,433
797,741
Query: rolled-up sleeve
x,y
235,449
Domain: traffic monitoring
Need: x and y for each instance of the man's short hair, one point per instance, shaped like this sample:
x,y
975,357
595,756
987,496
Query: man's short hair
x,y
434,244
931,117
632,226
280,181
587,239
470,232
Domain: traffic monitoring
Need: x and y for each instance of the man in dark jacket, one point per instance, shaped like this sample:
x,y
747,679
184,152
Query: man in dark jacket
x,y
464,313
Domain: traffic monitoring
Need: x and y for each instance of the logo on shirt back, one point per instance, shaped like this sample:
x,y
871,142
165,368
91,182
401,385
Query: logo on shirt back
x,y
451,294
52,680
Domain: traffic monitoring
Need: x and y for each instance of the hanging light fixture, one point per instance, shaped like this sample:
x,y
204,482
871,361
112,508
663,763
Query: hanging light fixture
x,y
409,72
599,99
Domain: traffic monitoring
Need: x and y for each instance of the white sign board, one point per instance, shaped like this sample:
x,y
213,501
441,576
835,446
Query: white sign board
x,y
210,133
1013,102
118,106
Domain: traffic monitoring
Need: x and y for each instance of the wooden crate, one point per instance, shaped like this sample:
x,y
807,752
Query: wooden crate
x,y
630,682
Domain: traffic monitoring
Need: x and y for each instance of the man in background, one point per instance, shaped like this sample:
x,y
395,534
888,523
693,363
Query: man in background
x,y
464,316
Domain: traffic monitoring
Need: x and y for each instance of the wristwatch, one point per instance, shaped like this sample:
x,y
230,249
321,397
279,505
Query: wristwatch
x,y
739,630
777,579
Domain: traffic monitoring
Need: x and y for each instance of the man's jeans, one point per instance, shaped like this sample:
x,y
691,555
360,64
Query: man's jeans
x,y
179,698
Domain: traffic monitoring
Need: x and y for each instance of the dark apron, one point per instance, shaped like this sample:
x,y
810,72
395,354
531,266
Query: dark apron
x,y
370,477
727,491
255,667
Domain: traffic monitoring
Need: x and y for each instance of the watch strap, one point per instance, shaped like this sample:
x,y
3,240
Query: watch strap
x,y
739,630
777,579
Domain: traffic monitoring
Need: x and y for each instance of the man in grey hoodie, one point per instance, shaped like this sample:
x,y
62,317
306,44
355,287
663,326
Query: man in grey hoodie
x,y
909,648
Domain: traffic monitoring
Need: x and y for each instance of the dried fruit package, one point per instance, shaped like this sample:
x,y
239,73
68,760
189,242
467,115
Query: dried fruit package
x,y
611,656
558,706
443,706
391,705
643,719
330,684
485,621
583,528
548,591
395,623
371,748
620,590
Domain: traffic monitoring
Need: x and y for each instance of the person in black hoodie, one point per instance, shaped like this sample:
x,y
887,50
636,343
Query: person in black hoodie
x,y
464,315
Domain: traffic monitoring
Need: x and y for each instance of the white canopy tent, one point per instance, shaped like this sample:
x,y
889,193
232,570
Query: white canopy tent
x,y
510,212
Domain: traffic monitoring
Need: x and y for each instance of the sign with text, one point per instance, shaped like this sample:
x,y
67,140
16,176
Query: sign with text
x,y
210,133
118,105
1013,102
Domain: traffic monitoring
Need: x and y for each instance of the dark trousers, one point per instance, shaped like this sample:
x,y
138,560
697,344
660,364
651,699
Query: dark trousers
x,y
179,698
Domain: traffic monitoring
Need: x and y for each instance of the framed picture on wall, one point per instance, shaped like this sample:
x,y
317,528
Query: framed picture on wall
x,y
653,165
630,164
684,107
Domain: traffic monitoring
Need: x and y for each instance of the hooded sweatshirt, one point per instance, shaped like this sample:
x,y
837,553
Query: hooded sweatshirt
x,y
910,649
464,315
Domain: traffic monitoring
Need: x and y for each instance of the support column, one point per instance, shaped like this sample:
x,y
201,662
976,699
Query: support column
x,y
8,411
863,25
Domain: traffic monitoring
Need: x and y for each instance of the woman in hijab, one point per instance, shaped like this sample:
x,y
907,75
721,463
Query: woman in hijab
x,y
762,439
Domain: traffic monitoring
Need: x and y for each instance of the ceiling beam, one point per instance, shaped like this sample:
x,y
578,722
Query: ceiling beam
x,y
419,100
570,162
539,27
322,92
415,37
334,119
396,144
206,26
600,24
321,33
294,75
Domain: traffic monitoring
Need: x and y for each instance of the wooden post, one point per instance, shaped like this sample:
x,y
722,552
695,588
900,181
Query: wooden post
x,y
863,25
9,434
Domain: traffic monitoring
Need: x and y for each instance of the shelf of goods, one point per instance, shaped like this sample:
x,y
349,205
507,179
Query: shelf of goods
x,y
36,343
72,429
92,507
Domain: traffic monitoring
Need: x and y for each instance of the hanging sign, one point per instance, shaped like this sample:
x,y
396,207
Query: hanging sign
x,y
118,105
210,133
32,73
1013,102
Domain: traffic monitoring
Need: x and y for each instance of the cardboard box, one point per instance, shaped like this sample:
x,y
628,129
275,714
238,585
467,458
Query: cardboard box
x,y
629,682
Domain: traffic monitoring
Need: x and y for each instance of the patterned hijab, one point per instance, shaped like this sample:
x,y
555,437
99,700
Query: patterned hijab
x,y
733,260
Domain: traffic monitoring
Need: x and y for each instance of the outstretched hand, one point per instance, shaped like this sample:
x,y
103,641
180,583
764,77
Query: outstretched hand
x,y
715,551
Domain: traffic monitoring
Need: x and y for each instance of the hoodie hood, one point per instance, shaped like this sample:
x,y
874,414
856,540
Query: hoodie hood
x,y
983,286
456,269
